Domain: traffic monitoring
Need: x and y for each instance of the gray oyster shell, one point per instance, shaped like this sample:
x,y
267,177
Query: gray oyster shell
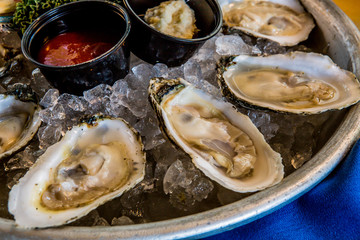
x,y
93,163
223,143
19,119
297,82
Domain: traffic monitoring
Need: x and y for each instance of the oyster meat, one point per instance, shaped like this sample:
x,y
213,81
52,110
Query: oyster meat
x,y
222,142
93,163
297,82
285,22
174,18
19,119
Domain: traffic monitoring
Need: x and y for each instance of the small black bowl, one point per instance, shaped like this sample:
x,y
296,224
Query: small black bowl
x,y
153,46
86,15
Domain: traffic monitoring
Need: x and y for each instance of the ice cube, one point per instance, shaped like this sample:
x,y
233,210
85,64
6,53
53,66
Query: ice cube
x,y
161,70
39,83
50,98
98,94
48,135
185,184
232,45
143,73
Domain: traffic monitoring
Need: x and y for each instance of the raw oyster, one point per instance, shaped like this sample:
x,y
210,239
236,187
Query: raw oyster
x,y
282,21
222,142
93,163
19,119
297,82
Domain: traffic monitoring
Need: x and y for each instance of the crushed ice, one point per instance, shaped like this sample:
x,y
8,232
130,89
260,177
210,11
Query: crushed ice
x,y
127,98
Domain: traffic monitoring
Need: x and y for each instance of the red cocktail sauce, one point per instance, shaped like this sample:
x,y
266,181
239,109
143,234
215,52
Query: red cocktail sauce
x,y
75,47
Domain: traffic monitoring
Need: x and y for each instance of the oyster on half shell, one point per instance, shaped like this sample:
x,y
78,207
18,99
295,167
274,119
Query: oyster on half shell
x,y
223,143
93,163
282,21
19,119
297,82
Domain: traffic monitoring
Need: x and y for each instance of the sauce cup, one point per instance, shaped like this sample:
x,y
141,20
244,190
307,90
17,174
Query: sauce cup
x,y
87,15
153,46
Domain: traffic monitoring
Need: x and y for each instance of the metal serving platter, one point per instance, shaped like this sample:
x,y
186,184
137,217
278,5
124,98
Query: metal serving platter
x,y
344,48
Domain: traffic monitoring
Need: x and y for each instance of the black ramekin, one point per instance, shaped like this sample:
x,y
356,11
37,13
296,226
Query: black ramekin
x,y
81,15
153,46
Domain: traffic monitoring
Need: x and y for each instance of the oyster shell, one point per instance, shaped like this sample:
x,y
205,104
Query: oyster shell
x,y
282,21
10,56
93,163
223,143
297,82
19,119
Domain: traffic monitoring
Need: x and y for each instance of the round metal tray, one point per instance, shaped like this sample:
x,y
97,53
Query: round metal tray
x,y
344,48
